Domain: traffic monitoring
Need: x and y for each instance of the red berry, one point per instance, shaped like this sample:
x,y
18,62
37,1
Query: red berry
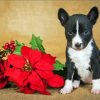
x,y
12,42
7,44
11,46
5,47
12,49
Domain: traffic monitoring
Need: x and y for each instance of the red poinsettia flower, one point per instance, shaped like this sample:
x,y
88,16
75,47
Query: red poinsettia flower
x,y
3,78
33,71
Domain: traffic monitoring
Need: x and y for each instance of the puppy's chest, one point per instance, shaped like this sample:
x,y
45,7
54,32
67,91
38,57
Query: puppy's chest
x,y
81,59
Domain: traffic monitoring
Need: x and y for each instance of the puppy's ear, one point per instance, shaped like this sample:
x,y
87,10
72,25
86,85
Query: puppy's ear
x,y
93,15
63,16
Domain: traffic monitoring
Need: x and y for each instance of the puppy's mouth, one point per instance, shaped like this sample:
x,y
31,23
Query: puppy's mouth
x,y
78,49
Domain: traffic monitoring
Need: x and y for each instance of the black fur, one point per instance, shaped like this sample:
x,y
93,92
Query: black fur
x,y
95,62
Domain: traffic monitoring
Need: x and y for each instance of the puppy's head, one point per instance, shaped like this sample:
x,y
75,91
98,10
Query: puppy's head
x,y
78,27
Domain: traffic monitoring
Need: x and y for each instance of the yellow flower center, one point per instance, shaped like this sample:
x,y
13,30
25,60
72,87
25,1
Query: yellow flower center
x,y
27,66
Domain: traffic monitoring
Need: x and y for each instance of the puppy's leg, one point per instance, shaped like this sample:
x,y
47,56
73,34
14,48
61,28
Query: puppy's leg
x,y
96,76
68,82
67,87
76,79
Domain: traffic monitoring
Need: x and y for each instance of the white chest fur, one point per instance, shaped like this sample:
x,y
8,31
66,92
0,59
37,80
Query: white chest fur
x,y
81,60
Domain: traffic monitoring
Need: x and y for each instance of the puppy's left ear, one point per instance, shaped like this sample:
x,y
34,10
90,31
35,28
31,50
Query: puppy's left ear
x,y
93,15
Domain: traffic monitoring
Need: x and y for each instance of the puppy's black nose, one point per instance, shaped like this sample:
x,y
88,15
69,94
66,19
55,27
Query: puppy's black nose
x,y
78,45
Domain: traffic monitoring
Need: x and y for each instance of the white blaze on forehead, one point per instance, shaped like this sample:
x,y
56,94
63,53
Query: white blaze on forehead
x,y
76,38
77,27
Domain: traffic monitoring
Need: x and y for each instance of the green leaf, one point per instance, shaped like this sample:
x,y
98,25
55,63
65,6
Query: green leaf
x,y
58,66
36,43
18,47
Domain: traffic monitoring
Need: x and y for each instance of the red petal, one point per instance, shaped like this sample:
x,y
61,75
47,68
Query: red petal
x,y
1,75
17,76
3,79
35,57
26,52
56,81
1,68
3,83
48,58
35,82
45,92
5,64
16,60
26,90
42,65
32,55
22,77
45,74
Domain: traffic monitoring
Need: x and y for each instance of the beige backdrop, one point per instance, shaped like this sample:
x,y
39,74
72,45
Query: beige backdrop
x,y
19,19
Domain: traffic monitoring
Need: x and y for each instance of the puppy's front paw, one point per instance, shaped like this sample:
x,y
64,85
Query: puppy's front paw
x,y
76,84
95,91
96,86
66,90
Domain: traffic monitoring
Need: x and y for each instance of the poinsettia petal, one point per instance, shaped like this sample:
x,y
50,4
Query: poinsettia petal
x,y
5,64
56,81
26,90
9,72
22,77
48,58
3,83
16,60
16,75
42,65
1,75
1,67
45,92
45,74
3,79
35,57
26,52
32,55
35,82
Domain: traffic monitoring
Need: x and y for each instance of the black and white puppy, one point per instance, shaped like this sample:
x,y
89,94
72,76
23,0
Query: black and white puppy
x,y
82,53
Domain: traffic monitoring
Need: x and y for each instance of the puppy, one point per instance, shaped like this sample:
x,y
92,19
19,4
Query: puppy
x,y
82,53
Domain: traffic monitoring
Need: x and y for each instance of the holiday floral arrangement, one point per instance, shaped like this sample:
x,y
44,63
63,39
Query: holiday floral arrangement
x,y
31,69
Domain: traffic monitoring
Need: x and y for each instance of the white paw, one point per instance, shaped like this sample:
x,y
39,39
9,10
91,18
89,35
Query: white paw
x,y
96,86
76,84
95,91
67,88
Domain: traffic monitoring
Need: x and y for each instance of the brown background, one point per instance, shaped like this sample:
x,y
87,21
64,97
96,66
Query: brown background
x,y
20,18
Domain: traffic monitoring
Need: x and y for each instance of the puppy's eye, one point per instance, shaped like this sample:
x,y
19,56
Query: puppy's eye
x,y
86,32
70,33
